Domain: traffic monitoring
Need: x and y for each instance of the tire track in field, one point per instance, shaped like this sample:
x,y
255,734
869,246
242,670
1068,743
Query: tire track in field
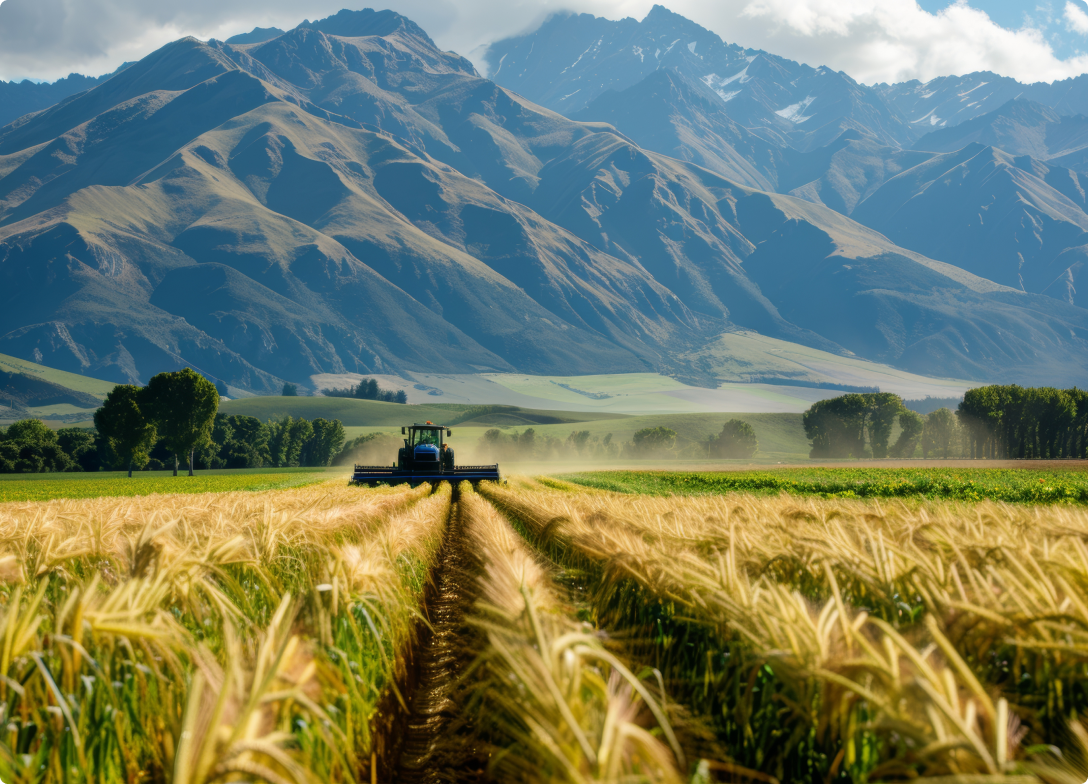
x,y
429,751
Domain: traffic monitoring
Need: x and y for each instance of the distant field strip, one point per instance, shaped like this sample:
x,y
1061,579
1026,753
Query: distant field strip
x,y
44,487
1010,485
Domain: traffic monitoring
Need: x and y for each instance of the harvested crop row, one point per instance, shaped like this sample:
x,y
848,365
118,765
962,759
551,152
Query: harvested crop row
x,y
199,638
1008,585
547,701
801,691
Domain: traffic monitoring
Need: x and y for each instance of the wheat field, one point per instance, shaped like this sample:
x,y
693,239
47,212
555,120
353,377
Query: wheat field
x,y
538,631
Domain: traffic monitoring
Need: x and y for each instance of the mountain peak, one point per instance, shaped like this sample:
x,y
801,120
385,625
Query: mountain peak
x,y
258,35
660,13
367,22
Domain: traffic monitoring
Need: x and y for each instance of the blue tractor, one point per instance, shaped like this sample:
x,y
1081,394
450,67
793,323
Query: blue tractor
x,y
425,457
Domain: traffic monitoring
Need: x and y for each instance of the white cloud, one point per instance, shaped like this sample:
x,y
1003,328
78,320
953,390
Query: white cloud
x,y
1075,18
872,40
889,40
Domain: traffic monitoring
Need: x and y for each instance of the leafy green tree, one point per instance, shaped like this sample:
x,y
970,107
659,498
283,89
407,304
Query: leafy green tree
x,y
30,447
289,389
981,413
1078,432
577,441
325,443
883,408
125,426
287,437
527,441
836,427
183,405
737,440
941,432
30,431
911,427
249,449
82,445
654,441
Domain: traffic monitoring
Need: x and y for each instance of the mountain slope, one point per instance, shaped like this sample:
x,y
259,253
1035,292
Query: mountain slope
x,y
1002,217
26,97
666,113
1019,127
947,101
346,198
573,59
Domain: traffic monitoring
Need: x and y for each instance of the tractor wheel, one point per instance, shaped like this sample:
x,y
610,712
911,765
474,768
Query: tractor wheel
x,y
447,459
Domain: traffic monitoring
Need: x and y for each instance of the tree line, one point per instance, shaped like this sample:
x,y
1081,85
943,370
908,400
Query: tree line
x,y
368,389
1009,421
175,416
737,439
997,421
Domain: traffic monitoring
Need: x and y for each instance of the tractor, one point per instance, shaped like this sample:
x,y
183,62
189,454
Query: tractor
x,y
425,457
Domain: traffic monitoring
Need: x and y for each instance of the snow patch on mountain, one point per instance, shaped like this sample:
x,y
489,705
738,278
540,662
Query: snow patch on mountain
x,y
795,111
691,47
638,50
742,75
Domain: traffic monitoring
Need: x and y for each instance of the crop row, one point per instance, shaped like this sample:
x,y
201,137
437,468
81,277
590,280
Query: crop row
x,y
1011,486
841,639
591,637
201,638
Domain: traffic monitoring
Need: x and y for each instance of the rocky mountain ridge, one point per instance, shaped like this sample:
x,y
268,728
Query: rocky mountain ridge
x,y
345,197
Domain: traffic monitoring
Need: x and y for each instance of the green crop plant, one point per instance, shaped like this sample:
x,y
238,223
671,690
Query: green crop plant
x,y
851,693
221,637
549,700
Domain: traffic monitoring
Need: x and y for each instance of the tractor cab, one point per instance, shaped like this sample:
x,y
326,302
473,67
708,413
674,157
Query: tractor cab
x,y
425,447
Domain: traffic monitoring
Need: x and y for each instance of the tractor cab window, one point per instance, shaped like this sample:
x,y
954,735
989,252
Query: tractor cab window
x,y
425,437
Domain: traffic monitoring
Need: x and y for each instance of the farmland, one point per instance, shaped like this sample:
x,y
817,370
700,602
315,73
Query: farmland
x,y
1020,485
546,631
45,487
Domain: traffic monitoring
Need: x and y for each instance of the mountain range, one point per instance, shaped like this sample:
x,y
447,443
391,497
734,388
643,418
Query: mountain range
x,y
345,197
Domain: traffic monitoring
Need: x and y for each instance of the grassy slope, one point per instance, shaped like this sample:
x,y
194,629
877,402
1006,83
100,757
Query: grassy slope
x,y
370,413
92,386
741,356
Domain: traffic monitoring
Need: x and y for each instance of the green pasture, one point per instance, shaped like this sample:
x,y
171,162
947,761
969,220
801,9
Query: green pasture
x,y
46,487
972,484
91,386
377,415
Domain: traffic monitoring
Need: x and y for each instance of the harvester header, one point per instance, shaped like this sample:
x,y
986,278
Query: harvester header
x,y
425,457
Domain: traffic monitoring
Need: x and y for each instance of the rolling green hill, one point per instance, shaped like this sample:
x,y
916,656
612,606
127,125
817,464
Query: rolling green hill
x,y
373,414
63,378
